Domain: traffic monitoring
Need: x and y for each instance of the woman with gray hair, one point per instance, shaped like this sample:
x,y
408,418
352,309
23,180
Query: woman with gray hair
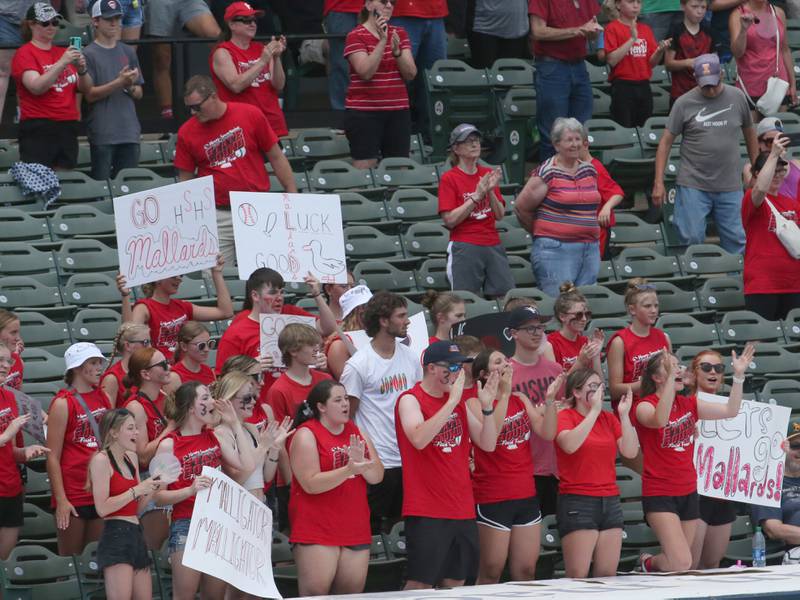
x,y
559,206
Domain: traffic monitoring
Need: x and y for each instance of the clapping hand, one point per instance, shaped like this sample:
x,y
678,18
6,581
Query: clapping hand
x,y
742,362
624,406
274,435
356,453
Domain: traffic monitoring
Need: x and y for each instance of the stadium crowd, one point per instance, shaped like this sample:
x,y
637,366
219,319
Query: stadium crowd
x,y
467,446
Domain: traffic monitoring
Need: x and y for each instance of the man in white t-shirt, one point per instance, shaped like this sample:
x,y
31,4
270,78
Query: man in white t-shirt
x,y
374,378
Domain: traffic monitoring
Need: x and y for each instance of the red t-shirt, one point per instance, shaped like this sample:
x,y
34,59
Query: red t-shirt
x,y
479,227
668,451
231,149
80,443
566,351
286,395
560,16
119,485
10,479
345,6
635,65
15,374
424,9
165,322
436,479
154,412
340,516
608,188
506,473
194,452
590,470
205,375
59,103
260,92
638,350
117,372
533,381
768,267
386,90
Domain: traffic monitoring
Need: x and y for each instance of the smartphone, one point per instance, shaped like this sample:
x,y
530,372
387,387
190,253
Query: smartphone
x,y
76,42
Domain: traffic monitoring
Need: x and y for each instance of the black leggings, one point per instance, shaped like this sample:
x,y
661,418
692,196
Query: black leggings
x,y
772,307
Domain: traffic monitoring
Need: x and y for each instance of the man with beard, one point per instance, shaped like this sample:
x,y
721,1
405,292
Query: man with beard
x,y
374,378
432,425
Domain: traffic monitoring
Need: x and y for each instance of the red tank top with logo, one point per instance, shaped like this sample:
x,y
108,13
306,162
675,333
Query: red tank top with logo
x,y
194,452
165,322
119,485
638,350
338,517
10,480
117,372
506,473
566,351
154,412
205,375
436,479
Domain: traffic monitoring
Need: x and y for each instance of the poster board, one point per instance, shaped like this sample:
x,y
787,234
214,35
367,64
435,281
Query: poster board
x,y
271,327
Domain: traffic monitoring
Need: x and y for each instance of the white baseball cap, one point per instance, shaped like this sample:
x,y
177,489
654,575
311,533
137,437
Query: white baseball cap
x,y
79,353
353,298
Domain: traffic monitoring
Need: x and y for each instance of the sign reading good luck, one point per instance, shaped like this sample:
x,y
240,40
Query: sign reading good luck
x,y
167,231
294,234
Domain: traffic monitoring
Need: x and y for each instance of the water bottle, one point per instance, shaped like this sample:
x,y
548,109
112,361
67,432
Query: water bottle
x,y
759,549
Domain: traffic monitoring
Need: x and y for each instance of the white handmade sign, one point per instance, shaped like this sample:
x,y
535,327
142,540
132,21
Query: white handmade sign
x,y
741,458
230,537
294,234
167,231
416,339
271,327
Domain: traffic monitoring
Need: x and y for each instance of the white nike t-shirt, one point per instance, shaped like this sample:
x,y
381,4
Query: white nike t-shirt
x,y
711,130
378,382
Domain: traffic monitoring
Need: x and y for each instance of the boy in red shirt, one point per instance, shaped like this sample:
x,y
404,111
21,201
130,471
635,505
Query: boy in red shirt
x,y
631,52
690,38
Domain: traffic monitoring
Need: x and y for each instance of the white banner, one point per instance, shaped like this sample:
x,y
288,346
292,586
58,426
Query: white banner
x,y
167,231
741,458
416,338
271,327
290,233
230,537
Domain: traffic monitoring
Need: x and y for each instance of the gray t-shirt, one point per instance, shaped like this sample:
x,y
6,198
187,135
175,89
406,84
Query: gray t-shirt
x,y
789,511
506,19
711,129
113,119
14,10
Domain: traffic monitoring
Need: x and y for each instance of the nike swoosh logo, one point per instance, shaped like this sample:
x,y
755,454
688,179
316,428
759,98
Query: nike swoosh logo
x,y
701,117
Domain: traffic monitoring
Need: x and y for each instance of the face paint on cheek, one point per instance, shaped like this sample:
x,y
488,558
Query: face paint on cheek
x,y
203,410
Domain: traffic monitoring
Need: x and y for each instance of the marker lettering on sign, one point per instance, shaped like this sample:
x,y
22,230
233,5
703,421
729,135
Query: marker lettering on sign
x,y
148,254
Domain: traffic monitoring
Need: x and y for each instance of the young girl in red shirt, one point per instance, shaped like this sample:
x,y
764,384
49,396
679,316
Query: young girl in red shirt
x,y
148,376
72,432
332,463
12,452
194,444
589,510
505,493
118,496
191,356
130,337
665,423
572,349
446,309
10,336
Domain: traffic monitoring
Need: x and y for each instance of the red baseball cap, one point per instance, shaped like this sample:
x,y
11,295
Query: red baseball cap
x,y
241,9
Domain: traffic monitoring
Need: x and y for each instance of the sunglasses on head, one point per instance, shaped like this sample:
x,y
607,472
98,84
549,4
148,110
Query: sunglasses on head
x,y
145,343
245,20
163,364
452,367
708,367
645,287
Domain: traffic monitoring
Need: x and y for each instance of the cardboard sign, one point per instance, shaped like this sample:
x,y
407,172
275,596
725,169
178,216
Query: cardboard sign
x,y
271,327
294,234
416,338
230,537
30,406
167,231
741,459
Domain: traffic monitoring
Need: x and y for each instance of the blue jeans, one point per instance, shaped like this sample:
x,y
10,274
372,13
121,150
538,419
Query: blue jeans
x,y
108,159
339,77
562,90
692,206
428,44
555,261
10,33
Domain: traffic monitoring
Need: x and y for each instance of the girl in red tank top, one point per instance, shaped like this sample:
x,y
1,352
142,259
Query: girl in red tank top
x,y
571,348
191,357
194,412
665,422
165,314
118,496
148,375
130,337
332,463
503,484
12,451
248,71
73,419
446,309
10,336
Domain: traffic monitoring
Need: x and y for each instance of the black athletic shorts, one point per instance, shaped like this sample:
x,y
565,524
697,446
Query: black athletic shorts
x,y
378,134
509,513
717,512
686,507
11,511
51,143
88,512
596,513
441,549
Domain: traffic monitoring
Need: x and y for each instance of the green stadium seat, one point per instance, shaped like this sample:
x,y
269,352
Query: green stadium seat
x,y
740,326
95,325
404,172
426,240
41,365
432,274
83,220
598,75
660,101
793,33
67,30
608,325
137,179
9,154
37,488
79,187
618,148
11,195
650,134
603,302
395,540
521,271
320,144
19,292
20,258
458,48
413,205
36,573
475,305
784,392
685,330
510,72
85,289
708,259
722,294
518,130
516,240
672,299
630,230
330,175
543,301
646,262
360,210
381,275
151,153
363,242
43,332
791,326
86,256
300,181
660,77
19,225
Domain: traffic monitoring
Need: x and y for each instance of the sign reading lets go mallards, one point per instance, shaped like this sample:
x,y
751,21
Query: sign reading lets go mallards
x,y
294,234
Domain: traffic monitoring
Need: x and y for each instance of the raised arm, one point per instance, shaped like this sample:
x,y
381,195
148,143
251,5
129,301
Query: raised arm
x,y
713,410
224,307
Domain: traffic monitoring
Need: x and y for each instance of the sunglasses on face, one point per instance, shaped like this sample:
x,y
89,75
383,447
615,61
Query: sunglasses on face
x,y
52,23
387,2
581,315
145,343
196,107
795,446
248,399
202,346
452,367
245,20
708,367
163,364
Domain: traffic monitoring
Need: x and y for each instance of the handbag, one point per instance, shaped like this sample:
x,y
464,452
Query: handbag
x,y
770,101
787,231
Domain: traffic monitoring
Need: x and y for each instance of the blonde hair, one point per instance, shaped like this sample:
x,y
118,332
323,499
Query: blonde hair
x,y
636,287
569,296
6,318
294,337
226,387
440,303
125,332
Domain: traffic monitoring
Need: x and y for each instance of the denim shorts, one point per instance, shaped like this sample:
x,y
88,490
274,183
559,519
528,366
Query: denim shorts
x,y
598,513
132,13
122,543
178,533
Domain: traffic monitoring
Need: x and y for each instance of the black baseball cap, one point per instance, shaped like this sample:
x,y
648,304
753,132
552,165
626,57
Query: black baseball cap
x,y
443,351
519,316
